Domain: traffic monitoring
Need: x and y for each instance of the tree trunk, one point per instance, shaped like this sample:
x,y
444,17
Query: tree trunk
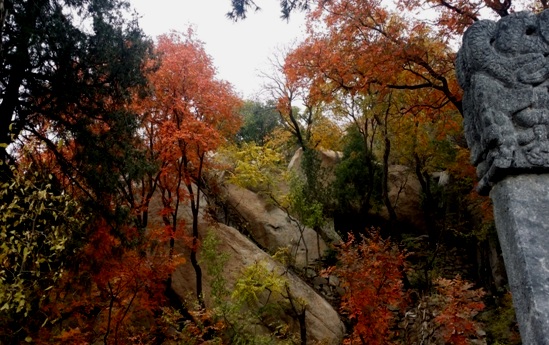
x,y
428,202
385,182
195,207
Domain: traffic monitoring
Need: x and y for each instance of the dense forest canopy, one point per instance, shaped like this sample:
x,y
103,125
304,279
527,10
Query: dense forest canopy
x,y
121,155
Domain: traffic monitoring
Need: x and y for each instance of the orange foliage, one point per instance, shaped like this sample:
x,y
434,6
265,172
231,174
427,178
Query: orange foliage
x,y
188,114
460,304
480,206
388,73
354,45
71,336
452,17
118,295
371,272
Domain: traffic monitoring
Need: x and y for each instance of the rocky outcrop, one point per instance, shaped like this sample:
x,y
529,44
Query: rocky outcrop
x,y
269,227
328,159
403,186
322,322
272,228
405,196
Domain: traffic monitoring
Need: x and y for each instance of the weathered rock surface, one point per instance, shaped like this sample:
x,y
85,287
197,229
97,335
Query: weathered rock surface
x,y
322,321
503,70
272,230
328,159
271,227
405,195
403,185
521,205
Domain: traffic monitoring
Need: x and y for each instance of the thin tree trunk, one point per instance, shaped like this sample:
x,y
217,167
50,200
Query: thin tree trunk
x,y
385,174
385,182
428,202
3,15
300,312
195,207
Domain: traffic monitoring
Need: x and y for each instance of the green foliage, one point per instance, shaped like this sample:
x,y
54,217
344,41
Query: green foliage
x,y
254,281
501,323
310,192
37,224
258,299
309,211
215,265
260,120
356,175
70,70
260,296
240,8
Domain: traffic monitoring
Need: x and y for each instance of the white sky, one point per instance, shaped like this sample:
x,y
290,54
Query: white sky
x,y
239,50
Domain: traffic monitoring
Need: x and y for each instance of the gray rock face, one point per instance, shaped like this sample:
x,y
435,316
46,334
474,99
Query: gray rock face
x,y
504,70
521,206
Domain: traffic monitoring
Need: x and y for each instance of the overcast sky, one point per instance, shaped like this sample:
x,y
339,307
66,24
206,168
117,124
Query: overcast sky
x,y
239,50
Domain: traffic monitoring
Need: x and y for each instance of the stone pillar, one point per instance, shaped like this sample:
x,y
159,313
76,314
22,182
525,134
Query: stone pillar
x,y
521,205
504,71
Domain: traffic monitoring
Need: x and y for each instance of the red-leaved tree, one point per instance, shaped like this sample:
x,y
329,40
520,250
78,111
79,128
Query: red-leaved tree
x,y
459,305
371,273
187,115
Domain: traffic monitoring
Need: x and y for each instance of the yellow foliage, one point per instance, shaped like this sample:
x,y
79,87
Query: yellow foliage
x,y
35,225
255,280
257,168
326,134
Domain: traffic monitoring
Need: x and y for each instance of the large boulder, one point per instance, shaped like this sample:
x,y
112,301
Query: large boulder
x,y
272,228
328,159
403,186
405,196
322,322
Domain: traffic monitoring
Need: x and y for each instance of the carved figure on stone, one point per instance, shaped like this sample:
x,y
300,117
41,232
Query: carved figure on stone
x,y
503,68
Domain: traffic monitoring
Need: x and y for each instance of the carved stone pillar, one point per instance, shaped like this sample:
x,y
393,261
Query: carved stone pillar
x,y
504,71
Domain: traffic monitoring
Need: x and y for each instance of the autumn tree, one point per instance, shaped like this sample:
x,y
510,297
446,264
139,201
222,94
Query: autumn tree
x,y
367,32
405,54
98,272
371,271
303,115
287,94
187,116
394,80
68,71
117,286
459,305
